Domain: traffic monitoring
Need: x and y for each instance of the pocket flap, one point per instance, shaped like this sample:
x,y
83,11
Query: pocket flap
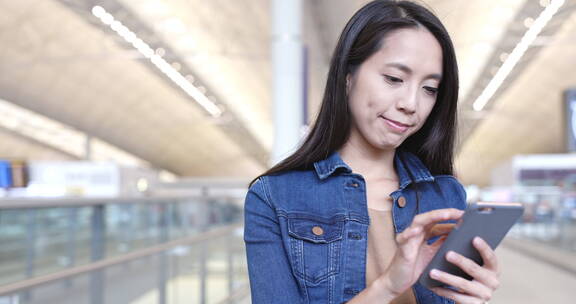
x,y
316,229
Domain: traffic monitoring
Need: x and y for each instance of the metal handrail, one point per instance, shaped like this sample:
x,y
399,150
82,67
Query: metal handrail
x,y
101,264
29,203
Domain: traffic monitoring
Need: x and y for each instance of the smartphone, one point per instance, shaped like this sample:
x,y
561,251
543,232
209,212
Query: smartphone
x,y
490,221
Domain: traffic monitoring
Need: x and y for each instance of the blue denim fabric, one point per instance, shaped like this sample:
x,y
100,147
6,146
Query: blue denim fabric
x,y
288,263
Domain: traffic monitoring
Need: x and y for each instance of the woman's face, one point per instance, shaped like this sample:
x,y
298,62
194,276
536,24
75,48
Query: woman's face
x,y
393,91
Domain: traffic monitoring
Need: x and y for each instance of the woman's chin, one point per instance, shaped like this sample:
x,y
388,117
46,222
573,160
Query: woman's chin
x,y
387,145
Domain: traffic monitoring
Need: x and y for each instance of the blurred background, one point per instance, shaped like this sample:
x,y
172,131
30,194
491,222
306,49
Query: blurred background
x,y
129,130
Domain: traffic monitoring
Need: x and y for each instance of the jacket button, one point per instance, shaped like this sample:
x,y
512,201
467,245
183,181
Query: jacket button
x,y
317,230
401,202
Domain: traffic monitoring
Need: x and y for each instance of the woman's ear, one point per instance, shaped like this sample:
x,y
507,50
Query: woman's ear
x,y
348,83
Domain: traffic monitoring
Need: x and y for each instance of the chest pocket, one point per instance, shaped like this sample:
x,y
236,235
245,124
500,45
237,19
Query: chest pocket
x,y
315,246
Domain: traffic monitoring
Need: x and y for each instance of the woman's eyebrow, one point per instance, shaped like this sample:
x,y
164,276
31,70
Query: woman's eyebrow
x,y
408,70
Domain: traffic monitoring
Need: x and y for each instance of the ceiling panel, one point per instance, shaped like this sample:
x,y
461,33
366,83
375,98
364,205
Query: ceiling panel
x,y
528,118
84,79
56,63
15,146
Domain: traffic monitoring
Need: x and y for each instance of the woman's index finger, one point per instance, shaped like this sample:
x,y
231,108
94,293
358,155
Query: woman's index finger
x,y
438,215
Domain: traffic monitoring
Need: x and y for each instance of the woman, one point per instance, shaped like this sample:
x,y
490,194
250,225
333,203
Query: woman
x,y
355,214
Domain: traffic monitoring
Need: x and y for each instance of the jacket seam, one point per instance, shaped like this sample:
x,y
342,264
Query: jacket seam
x,y
415,294
268,201
267,196
342,217
446,176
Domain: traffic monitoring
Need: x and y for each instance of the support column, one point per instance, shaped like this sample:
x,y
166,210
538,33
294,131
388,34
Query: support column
x,y
288,83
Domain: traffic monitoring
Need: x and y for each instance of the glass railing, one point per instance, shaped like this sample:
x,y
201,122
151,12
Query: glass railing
x,y
549,217
144,250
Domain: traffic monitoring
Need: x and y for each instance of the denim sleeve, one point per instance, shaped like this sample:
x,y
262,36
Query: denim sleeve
x,y
271,278
462,196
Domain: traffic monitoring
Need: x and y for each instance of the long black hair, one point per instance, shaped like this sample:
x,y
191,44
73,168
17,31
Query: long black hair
x,y
362,37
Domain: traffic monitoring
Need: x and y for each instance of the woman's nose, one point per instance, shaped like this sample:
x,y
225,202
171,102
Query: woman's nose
x,y
408,101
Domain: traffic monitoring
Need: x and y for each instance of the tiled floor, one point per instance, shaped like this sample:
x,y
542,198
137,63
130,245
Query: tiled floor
x,y
528,280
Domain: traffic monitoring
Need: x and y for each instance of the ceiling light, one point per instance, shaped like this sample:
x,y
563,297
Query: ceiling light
x,y
196,93
142,184
142,47
98,11
160,52
517,53
107,18
60,136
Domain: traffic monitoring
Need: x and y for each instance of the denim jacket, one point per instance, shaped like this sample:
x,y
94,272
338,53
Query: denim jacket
x,y
291,260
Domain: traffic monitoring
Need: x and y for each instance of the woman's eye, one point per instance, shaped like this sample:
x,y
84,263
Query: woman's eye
x,y
431,90
393,79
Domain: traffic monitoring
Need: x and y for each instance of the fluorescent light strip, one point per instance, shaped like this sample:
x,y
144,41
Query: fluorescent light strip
x,y
181,81
517,54
60,136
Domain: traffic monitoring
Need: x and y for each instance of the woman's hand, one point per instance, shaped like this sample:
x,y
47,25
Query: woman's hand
x,y
413,253
412,256
485,278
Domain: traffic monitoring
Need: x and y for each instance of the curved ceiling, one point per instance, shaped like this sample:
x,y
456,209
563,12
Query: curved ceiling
x,y
57,59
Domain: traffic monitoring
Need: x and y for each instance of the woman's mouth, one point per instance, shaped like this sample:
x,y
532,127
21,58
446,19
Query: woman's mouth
x,y
396,126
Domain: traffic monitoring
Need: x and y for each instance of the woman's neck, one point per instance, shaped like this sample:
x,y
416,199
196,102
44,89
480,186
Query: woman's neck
x,y
369,162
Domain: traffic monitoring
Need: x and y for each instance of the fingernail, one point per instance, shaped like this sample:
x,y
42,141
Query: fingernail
x,y
477,241
451,255
434,273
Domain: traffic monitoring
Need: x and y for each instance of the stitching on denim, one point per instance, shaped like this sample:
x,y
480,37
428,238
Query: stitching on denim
x,y
331,290
267,195
330,261
351,216
301,257
295,261
446,176
302,282
422,173
344,262
334,255
417,175
301,270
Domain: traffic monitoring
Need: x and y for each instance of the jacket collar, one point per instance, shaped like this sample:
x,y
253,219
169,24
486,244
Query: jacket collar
x,y
408,167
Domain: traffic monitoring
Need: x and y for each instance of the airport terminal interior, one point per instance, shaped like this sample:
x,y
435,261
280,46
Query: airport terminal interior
x,y
130,130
